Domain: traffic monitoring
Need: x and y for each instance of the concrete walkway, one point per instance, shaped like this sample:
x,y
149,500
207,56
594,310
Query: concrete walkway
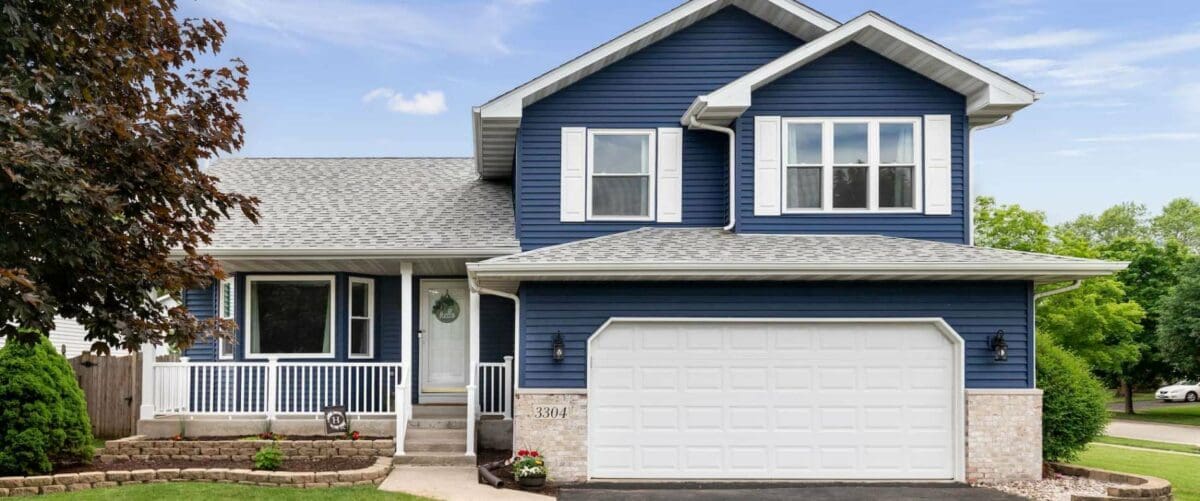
x,y
1158,432
449,483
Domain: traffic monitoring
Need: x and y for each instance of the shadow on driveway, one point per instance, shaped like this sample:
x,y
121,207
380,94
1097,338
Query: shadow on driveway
x,y
692,491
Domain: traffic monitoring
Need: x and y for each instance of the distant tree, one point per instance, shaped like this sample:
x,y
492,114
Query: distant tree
x,y
104,118
1127,220
1095,322
1010,227
1179,221
1179,322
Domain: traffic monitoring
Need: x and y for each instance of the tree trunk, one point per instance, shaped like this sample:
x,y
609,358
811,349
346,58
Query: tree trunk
x,y
1128,390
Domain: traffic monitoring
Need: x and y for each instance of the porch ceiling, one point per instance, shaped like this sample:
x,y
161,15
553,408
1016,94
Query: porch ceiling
x,y
366,266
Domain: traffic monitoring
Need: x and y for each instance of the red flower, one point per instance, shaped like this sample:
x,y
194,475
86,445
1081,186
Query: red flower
x,y
354,435
533,453
522,452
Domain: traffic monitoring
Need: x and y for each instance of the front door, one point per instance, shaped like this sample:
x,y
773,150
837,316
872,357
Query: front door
x,y
444,336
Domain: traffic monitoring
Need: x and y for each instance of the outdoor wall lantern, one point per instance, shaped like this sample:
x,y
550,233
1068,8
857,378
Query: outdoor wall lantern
x,y
999,347
559,348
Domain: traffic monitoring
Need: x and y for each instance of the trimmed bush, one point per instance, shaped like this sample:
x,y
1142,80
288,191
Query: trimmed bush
x,y
1073,403
43,415
268,458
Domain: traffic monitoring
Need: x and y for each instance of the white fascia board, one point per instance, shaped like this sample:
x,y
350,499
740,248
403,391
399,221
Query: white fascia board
x,y
352,253
997,90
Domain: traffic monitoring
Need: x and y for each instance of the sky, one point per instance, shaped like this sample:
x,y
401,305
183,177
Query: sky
x,y
1119,119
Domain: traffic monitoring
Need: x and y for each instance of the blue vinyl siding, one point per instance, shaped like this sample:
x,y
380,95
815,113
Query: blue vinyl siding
x,y
855,81
495,328
202,303
974,309
648,89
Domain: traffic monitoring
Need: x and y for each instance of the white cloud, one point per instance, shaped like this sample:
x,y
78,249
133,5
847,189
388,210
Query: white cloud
x,y
1188,97
1044,39
1141,137
422,103
477,27
1023,65
1073,152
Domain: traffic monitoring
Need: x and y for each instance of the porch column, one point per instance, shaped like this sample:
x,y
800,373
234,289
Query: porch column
x,y
473,366
404,412
146,411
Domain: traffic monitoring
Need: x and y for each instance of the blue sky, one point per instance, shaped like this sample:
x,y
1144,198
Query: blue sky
x,y
1119,121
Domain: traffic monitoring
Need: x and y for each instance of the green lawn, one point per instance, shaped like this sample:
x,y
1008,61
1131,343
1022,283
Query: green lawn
x,y
1147,444
158,492
1137,397
1182,471
1183,414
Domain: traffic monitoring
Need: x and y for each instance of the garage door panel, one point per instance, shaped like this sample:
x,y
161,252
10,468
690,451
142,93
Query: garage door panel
x,y
772,400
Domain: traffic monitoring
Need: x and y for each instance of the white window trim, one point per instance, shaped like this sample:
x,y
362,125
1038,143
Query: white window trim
x,y
291,278
221,303
652,167
370,318
872,165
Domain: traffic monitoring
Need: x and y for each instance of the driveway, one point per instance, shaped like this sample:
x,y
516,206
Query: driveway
x,y
1158,432
771,492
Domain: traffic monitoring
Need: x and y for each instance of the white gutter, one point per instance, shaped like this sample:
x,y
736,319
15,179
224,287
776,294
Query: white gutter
x,y
266,253
971,173
1087,267
1074,285
695,124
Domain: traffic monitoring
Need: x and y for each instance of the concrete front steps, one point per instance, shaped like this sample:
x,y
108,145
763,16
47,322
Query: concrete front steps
x,y
436,436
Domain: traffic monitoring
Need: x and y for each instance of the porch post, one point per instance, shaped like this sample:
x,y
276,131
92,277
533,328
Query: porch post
x,y
403,410
473,366
508,387
146,411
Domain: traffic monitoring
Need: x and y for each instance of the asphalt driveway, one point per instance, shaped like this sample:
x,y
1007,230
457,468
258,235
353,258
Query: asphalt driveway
x,y
771,492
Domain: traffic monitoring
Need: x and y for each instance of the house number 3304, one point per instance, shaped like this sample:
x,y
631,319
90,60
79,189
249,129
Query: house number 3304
x,y
550,412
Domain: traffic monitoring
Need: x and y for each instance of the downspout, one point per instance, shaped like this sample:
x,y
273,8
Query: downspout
x,y
971,173
696,124
1074,285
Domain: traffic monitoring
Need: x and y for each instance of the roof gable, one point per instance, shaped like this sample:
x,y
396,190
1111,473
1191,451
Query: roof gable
x,y
496,122
990,95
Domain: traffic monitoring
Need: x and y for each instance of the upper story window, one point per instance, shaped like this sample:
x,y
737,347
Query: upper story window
x,y
621,174
851,165
362,317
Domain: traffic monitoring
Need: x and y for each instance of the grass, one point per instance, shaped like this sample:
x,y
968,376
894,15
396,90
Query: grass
x,y
1137,397
1183,414
156,492
1148,444
1182,471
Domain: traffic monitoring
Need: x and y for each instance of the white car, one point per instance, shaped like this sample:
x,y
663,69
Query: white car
x,y
1186,391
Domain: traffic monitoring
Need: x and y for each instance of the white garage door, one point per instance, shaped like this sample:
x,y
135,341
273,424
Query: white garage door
x,y
730,399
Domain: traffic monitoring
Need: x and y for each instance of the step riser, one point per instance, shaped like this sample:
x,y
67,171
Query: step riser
x,y
439,412
438,424
447,460
458,447
434,435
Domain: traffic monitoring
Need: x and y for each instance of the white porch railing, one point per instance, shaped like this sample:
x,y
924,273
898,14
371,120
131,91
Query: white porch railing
x,y
272,388
495,388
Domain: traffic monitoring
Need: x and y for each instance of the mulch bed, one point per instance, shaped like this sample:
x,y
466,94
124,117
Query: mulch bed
x,y
485,456
281,437
297,465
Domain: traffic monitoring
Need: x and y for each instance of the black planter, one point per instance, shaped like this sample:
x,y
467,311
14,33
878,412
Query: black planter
x,y
531,482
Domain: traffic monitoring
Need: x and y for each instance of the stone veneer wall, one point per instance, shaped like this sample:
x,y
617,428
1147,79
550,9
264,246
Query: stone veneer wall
x,y
70,482
138,448
1004,435
562,441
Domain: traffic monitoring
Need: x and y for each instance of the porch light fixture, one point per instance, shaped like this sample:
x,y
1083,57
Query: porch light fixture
x,y
999,347
558,349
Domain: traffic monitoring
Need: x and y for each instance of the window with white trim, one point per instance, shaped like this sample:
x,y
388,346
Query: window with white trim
x,y
851,165
225,308
620,167
289,316
362,318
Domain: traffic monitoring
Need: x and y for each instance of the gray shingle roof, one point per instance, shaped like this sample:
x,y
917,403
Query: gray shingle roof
x,y
715,246
365,203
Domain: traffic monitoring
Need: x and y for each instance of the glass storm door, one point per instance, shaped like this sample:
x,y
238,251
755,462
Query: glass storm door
x,y
444,339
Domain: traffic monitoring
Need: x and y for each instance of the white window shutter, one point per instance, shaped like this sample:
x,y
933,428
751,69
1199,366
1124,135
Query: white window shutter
x,y
670,175
938,172
767,166
573,194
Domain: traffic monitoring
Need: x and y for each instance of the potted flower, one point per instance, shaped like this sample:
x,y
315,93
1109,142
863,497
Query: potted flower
x,y
529,468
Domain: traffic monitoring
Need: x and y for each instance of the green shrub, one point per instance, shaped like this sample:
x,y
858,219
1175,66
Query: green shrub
x,y
43,415
1073,402
268,458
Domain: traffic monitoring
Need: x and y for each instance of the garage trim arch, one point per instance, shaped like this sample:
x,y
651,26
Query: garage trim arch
x,y
956,341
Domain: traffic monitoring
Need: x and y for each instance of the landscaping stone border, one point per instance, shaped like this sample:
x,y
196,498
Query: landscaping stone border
x,y
70,482
1140,487
139,448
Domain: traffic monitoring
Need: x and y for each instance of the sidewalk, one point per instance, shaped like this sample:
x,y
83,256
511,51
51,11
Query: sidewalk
x,y
1172,433
449,483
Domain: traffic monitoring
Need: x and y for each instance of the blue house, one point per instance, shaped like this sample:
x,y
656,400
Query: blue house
x,y
733,242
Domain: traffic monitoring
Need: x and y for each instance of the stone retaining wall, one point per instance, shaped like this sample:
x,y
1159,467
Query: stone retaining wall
x,y
137,448
68,482
1140,487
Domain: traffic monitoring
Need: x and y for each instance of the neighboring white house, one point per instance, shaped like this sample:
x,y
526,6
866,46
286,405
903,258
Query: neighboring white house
x,y
69,338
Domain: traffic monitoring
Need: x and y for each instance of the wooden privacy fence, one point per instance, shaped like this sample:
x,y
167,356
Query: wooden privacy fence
x,y
111,387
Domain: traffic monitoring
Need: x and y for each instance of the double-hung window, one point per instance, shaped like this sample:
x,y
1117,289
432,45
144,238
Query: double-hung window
x,y
362,317
620,166
290,316
851,165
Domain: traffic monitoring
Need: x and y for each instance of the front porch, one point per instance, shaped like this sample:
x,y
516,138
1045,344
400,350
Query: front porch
x,y
400,347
